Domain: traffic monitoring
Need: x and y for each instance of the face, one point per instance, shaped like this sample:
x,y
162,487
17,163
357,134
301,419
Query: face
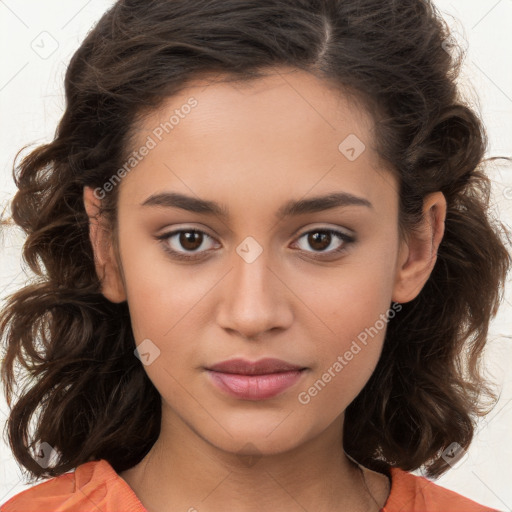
x,y
247,263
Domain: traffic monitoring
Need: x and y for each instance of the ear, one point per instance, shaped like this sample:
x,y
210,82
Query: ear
x,y
418,254
105,262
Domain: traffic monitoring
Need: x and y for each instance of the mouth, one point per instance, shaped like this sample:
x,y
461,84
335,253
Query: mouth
x,y
258,380
262,367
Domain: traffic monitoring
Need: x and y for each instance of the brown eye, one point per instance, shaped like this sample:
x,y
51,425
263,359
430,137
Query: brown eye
x,y
321,239
185,243
190,240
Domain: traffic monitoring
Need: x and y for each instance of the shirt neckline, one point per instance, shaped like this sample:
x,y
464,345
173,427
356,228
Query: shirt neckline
x,y
121,481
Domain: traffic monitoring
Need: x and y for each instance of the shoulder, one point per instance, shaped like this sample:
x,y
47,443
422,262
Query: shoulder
x,y
413,493
91,486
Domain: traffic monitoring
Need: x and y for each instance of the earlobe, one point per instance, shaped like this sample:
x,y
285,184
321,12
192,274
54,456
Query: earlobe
x,y
418,255
104,258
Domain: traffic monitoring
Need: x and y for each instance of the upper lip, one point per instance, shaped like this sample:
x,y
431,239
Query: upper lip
x,y
261,367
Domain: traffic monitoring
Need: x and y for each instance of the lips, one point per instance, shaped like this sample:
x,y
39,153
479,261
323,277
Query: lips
x,y
258,380
261,367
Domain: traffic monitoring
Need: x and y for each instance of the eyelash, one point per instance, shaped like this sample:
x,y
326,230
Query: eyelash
x,y
347,239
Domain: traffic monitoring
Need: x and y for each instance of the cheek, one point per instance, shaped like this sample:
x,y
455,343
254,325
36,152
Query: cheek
x,y
347,357
351,316
348,299
160,293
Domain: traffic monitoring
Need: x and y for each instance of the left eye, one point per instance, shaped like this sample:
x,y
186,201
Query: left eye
x,y
321,239
191,241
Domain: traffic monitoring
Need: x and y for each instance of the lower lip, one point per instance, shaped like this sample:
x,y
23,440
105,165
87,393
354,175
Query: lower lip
x,y
254,387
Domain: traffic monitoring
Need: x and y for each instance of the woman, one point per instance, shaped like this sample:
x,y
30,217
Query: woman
x,y
261,228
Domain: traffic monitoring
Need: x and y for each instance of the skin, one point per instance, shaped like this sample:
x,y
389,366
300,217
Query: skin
x,y
252,148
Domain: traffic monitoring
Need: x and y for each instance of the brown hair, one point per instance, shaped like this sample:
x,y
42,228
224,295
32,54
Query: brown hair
x,y
90,395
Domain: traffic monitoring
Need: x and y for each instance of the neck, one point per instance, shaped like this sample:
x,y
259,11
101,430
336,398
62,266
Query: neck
x,y
183,471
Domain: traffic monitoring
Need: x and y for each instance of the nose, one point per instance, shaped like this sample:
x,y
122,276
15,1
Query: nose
x,y
255,298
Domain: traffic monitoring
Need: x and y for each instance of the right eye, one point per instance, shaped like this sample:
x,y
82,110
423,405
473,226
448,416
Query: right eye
x,y
190,240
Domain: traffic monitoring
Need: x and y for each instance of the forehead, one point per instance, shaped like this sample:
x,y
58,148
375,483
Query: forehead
x,y
260,136
285,100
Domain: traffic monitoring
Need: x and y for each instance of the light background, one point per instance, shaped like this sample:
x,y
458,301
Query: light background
x,y
37,40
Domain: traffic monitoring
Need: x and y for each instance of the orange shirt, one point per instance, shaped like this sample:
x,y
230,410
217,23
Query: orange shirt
x,y
95,487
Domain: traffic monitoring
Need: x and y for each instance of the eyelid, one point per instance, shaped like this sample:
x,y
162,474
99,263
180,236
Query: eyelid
x,y
324,227
164,237
346,238
346,235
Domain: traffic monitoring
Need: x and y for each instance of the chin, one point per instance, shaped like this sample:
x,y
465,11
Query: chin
x,y
253,448
258,438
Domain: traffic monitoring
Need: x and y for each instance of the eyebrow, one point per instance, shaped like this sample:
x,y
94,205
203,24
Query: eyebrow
x,y
289,209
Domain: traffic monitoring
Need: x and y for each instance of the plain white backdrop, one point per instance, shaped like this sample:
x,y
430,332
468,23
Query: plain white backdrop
x,y
38,39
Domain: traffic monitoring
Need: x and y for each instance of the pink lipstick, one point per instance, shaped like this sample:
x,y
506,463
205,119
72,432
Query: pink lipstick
x,y
257,380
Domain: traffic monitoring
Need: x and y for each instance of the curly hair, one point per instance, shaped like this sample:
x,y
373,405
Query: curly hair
x,y
84,392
